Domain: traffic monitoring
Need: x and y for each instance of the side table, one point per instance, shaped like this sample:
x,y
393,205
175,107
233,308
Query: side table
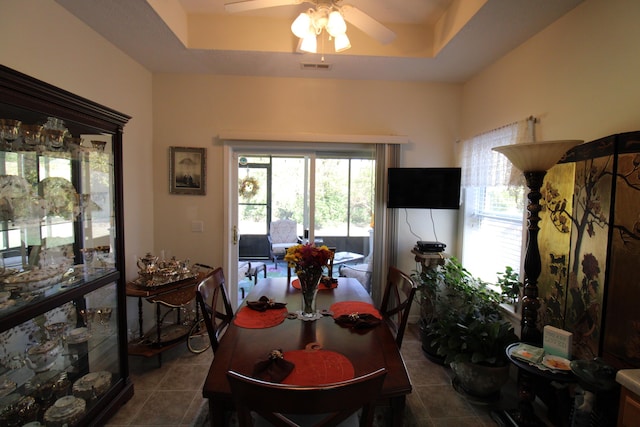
x,y
533,381
172,295
254,269
429,260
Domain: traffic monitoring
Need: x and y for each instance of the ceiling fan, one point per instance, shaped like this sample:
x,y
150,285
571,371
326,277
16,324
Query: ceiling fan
x,y
351,14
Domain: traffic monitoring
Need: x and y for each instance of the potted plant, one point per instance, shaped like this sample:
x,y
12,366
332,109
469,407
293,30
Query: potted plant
x,y
510,285
436,299
429,282
470,332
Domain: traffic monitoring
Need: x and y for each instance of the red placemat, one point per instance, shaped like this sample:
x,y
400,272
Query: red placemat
x,y
348,307
296,284
315,367
253,319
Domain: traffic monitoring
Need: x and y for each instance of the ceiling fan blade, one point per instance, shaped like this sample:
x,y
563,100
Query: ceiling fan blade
x,y
367,24
243,6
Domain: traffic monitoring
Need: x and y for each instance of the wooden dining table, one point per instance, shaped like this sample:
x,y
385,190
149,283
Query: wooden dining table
x,y
367,350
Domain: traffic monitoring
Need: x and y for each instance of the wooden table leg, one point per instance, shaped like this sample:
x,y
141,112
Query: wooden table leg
x,y
141,330
218,413
158,327
397,410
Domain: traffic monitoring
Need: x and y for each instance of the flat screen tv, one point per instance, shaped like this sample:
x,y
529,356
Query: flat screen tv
x,y
424,188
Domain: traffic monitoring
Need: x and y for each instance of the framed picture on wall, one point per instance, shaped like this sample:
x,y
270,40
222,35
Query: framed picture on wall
x,y
187,168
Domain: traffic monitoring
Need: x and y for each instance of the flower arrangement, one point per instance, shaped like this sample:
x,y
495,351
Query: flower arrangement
x,y
307,256
308,261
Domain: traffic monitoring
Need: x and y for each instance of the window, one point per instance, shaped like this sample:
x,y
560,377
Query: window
x,y
344,196
493,204
344,192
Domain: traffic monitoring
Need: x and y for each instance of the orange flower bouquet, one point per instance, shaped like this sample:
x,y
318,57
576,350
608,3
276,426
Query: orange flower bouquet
x,y
308,261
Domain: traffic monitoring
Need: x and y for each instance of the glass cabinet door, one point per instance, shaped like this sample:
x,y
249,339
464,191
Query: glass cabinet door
x,y
56,215
63,352
67,355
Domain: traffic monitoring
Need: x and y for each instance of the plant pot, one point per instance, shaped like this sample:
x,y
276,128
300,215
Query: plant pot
x,y
479,382
430,351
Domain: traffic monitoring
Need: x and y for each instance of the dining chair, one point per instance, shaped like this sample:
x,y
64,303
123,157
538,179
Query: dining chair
x,y
214,304
398,296
263,403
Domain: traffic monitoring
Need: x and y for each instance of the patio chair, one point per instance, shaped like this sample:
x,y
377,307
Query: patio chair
x,y
360,272
282,235
264,403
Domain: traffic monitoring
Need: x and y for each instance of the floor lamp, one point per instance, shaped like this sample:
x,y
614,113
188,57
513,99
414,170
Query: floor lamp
x,y
533,159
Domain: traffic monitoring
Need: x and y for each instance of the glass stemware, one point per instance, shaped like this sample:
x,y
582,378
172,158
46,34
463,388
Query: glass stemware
x,y
88,316
10,130
54,138
104,316
31,136
103,254
88,255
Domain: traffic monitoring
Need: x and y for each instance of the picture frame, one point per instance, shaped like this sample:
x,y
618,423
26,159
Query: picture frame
x,y
187,170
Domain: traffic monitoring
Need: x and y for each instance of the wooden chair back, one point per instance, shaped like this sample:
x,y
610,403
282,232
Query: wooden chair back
x,y
398,296
213,301
330,403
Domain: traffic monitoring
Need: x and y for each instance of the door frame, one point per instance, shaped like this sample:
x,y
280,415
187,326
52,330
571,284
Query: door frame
x,y
387,155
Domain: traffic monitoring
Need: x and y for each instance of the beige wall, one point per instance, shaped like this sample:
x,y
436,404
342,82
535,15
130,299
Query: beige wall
x,y
41,39
191,110
579,76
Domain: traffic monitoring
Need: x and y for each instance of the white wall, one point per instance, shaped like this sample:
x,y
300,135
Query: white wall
x,y
579,76
191,110
41,39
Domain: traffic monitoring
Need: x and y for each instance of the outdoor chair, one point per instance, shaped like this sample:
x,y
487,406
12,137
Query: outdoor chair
x,y
282,235
263,403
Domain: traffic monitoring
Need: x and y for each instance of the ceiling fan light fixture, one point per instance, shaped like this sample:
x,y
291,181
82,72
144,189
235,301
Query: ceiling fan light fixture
x,y
309,43
301,26
341,42
336,25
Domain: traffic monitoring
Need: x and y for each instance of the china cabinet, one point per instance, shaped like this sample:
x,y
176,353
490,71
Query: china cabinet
x,y
63,343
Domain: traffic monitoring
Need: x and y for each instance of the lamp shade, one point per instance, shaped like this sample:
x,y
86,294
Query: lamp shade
x,y
309,43
300,27
336,25
536,156
341,42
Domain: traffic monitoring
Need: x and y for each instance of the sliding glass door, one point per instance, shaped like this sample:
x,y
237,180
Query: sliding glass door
x,y
344,201
330,197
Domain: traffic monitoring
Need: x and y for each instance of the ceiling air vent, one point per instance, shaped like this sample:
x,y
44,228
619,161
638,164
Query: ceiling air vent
x,y
320,66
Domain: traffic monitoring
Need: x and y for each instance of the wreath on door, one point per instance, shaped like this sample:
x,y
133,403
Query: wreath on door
x,y
249,187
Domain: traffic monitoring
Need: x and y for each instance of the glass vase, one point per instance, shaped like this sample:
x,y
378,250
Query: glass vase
x,y
309,280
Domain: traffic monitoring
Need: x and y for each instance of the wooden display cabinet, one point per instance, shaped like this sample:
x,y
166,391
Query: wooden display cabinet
x,y
63,341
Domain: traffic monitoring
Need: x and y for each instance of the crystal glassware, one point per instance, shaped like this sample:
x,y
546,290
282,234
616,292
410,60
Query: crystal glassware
x,y
31,136
10,130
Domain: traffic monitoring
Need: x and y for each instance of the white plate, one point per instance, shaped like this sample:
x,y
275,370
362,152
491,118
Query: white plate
x,y
556,362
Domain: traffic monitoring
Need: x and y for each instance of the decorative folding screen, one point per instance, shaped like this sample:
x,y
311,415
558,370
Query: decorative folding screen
x,y
590,246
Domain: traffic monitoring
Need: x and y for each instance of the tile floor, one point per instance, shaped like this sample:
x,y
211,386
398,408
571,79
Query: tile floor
x,y
171,395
